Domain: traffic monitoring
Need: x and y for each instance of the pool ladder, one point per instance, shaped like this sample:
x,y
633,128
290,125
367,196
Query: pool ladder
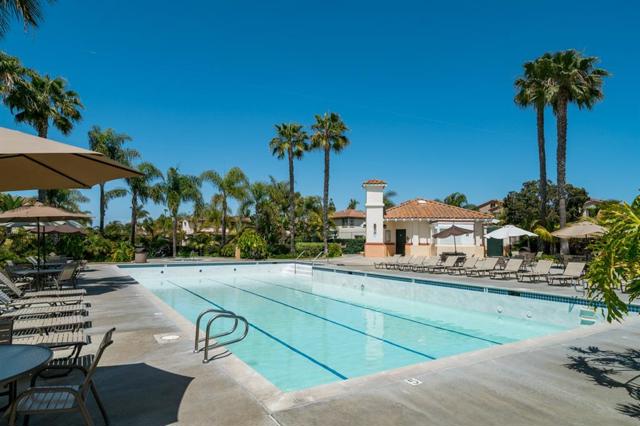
x,y
215,315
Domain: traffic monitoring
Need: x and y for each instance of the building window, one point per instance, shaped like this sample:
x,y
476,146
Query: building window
x,y
387,235
375,229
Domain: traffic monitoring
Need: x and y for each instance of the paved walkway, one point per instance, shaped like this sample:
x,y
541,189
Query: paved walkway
x,y
575,381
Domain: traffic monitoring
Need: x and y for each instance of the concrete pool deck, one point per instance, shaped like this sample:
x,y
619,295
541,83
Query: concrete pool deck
x,y
573,378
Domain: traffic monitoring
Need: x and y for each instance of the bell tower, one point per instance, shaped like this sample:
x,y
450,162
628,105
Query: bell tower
x,y
374,244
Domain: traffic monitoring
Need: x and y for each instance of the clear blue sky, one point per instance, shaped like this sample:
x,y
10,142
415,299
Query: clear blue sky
x,y
200,84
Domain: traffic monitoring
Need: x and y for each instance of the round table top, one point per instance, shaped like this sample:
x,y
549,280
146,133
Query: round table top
x,y
17,360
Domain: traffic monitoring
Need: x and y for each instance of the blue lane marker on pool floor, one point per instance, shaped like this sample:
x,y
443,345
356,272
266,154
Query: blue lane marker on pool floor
x,y
271,336
389,342
380,312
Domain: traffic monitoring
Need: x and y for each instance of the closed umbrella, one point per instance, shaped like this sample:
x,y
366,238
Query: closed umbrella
x,y
38,212
452,231
31,162
584,229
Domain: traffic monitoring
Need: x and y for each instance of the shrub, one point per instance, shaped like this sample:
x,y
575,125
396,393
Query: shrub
x,y
228,250
354,246
314,249
122,252
96,247
252,245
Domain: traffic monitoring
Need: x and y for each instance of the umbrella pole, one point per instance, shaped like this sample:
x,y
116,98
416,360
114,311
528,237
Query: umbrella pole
x,y
38,243
455,249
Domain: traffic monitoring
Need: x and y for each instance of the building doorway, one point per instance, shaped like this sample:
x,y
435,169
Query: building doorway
x,y
401,239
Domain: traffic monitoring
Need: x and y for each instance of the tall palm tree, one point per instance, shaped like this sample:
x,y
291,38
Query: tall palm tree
x,y
329,136
353,204
533,91
11,70
111,144
41,102
27,11
233,185
67,199
291,142
142,188
457,199
574,79
173,191
387,198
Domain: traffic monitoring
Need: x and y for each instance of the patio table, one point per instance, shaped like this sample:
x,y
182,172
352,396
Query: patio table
x,y
37,274
19,360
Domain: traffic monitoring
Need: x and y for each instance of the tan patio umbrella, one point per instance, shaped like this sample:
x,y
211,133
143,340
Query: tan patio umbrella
x,y
38,212
452,231
583,229
58,229
31,162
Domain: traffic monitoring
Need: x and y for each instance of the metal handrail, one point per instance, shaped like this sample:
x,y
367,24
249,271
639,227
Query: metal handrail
x,y
216,345
313,262
295,265
202,314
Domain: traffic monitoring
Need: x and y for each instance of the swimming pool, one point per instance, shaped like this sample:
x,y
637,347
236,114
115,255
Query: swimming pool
x,y
316,326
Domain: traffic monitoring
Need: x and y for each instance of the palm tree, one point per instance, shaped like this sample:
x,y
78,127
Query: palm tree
x,y
29,12
142,189
329,136
290,142
67,199
234,184
457,199
176,189
111,144
533,91
11,70
387,198
41,101
353,204
574,79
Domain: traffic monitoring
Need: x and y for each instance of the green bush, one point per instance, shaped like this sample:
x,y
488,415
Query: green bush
x,y
122,252
314,249
228,250
252,245
97,248
353,246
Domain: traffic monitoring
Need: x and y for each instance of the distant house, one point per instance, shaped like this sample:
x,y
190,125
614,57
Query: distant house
x,y
349,224
408,227
492,207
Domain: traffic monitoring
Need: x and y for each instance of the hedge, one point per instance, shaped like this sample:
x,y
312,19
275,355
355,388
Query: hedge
x,y
314,249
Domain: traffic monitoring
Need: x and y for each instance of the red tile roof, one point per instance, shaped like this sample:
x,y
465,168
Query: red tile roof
x,y
428,209
347,213
375,182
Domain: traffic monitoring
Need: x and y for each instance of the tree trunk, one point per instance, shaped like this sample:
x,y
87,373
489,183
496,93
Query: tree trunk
x,y
292,204
175,235
224,220
542,157
562,167
134,217
325,200
42,132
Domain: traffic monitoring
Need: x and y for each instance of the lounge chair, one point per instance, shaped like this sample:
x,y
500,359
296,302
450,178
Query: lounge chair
x,y
49,324
469,263
57,399
391,264
414,262
15,289
427,261
45,311
30,302
381,264
6,331
540,270
572,273
488,265
512,268
402,261
448,263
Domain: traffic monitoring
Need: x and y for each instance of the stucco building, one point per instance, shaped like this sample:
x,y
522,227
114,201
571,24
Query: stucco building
x,y
349,224
408,227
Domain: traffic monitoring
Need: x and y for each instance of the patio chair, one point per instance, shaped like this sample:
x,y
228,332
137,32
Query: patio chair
x,y
43,311
427,261
6,331
32,260
412,263
488,265
448,263
50,324
15,289
572,272
540,270
391,264
66,398
30,302
469,263
512,268
68,275
404,260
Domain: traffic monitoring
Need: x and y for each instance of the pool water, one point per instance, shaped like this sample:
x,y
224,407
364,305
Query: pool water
x,y
310,329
